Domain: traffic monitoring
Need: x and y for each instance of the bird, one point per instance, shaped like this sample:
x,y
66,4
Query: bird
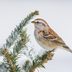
x,y
46,37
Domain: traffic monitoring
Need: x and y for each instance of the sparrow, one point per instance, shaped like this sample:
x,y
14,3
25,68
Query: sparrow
x,y
46,37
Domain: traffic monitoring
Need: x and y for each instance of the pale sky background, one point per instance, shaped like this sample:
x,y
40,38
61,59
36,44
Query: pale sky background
x,y
58,13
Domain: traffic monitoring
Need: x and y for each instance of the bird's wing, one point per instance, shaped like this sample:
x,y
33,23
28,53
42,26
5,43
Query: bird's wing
x,y
52,36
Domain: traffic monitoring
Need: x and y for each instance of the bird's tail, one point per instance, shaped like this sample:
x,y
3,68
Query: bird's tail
x,y
67,48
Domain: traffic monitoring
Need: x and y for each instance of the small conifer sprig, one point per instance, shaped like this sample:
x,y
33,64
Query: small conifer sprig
x,y
11,58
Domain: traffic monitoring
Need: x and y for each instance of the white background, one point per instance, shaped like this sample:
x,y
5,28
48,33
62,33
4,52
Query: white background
x,y
57,13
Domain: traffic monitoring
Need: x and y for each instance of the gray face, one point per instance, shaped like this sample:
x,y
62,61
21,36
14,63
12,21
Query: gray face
x,y
39,24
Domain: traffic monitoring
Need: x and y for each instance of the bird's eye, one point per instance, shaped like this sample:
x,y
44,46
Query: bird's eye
x,y
37,22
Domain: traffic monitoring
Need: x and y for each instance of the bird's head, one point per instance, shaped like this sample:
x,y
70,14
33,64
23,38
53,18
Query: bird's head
x,y
40,24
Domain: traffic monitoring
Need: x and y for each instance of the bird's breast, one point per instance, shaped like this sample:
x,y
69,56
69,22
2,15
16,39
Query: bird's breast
x,y
44,42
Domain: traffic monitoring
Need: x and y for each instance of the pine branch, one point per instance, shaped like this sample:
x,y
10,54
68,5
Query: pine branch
x,y
39,61
11,61
21,43
11,39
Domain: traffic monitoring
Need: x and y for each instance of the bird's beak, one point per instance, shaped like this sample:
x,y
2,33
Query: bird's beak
x,y
33,22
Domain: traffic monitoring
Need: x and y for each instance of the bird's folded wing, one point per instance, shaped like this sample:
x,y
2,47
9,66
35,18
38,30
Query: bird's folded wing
x,y
52,36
